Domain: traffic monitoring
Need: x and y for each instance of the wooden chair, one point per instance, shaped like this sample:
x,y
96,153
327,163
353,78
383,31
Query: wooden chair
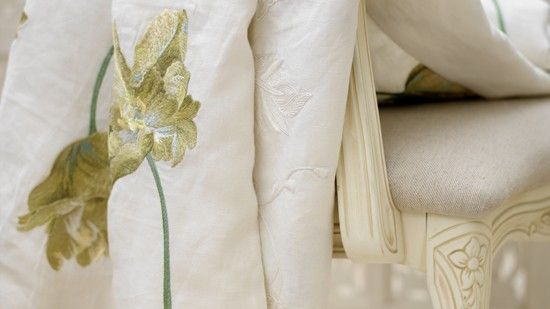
x,y
446,217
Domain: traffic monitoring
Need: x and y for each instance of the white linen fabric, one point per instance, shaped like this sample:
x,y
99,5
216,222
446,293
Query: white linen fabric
x,y
461,41
526,24
212,207
44,107
303,52
296,81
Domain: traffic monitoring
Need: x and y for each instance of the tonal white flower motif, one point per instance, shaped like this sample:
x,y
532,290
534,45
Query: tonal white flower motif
x,y
470,260
278,98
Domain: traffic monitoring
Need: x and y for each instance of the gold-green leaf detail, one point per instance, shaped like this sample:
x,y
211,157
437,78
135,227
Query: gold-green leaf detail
x,y
72,203
22,21
153,112
426,83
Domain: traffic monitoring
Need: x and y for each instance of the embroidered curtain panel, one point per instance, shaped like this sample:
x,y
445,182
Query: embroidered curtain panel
x,y
159,154
457,40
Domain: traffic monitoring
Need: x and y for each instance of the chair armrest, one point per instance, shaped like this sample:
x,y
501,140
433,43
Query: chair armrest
x,y
369,224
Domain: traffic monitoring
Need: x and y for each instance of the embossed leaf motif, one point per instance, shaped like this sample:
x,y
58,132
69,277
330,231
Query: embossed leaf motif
x,y
72,202
153,111
279,98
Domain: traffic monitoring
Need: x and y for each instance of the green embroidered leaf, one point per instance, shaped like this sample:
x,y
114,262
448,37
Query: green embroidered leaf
x,y
153,111
426,83
72,201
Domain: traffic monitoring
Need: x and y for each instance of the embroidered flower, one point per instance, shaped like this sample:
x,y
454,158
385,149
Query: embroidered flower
x,y
153,111
470,260
72,202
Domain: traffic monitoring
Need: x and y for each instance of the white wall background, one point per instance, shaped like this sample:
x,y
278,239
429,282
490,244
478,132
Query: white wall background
x,y
521,279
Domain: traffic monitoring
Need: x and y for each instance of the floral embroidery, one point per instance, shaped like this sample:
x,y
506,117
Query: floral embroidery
x,y
152,110
72,202
152,116
424,82
470,261
279,99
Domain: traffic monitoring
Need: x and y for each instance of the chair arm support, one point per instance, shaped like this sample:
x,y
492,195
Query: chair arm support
x,y
369,223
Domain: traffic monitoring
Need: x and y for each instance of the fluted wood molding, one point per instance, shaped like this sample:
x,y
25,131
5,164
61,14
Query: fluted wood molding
x,y
370,225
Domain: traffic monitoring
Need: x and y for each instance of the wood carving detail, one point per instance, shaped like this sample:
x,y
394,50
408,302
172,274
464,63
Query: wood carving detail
x,y
461,269
460,254
470,264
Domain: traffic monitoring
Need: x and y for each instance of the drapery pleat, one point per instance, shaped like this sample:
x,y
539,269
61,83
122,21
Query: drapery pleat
x,y
44,107
221,200
303,54
456,40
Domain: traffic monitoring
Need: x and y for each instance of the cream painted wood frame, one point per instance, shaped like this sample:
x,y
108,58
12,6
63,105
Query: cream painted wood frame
x,y
456,253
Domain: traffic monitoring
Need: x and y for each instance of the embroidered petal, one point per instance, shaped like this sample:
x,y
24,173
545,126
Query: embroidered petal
x,y
151,91
90,173
52,188
161,44
127,150
188,109
60,244
46,214
72,201
170,144
93,232
122,71
176,80
81,233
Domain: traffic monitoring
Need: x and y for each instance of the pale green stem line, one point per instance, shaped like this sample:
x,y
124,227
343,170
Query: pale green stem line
x,y
500,16
167,294
97,87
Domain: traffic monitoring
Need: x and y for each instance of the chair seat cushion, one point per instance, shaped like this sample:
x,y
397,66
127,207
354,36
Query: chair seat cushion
x,y
465,158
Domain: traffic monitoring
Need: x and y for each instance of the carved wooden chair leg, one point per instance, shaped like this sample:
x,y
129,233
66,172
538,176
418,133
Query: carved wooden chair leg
x,y
458,263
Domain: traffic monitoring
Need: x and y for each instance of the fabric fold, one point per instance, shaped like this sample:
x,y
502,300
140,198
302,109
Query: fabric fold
x,y
45,106
215,257
456,40
303,54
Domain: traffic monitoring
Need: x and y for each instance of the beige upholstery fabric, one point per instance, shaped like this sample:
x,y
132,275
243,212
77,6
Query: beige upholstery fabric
x,y
465,158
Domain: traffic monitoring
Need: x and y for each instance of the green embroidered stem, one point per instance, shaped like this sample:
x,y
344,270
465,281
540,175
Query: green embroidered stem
x,y
500,16
97,87
167,294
